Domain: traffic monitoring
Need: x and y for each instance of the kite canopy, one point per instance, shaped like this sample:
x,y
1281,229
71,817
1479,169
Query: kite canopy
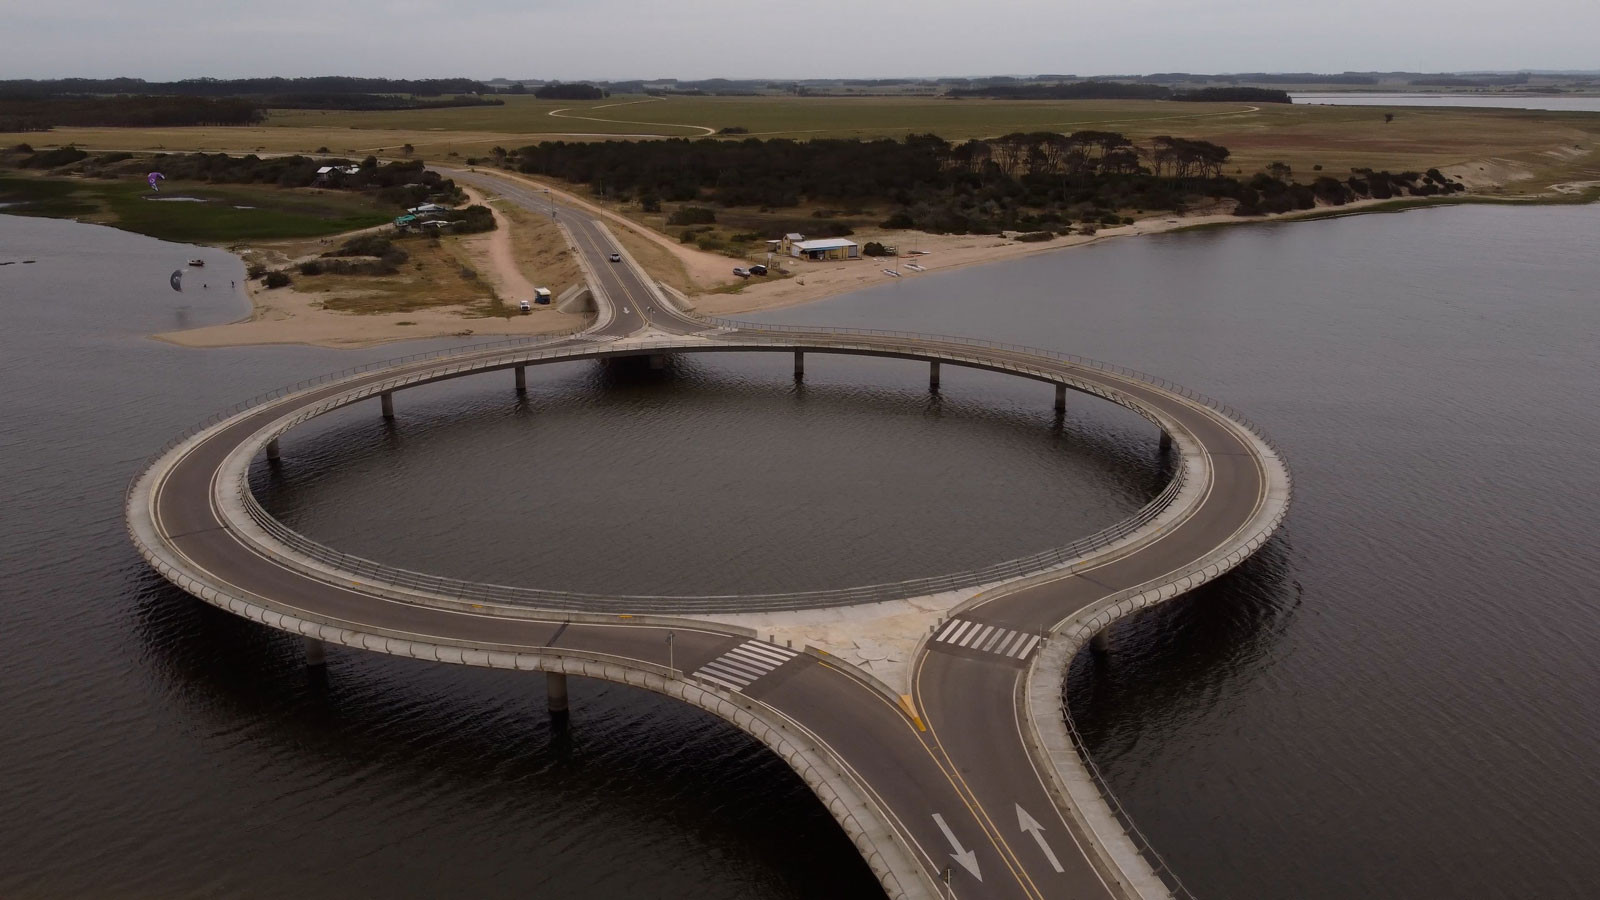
x,y
176,280
153,177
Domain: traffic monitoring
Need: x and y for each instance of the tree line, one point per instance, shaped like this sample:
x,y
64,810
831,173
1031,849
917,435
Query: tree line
x,y
131,112
1118,90
1022,181
235,87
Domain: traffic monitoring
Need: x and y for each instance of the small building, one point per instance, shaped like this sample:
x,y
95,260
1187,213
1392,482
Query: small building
x,y
326,172
427,208
788,241
825,248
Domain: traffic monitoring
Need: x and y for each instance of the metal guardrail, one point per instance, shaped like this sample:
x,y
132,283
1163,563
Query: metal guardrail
x,y
330,377
748,328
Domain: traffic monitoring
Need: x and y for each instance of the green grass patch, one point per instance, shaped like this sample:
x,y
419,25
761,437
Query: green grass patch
x,y
226,214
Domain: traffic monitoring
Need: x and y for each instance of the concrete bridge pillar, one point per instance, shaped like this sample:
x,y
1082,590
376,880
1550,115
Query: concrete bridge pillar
x,y
1166,442
1061,398
316,653
522,379
556,688
387,397
799,365
273,453
1101,642
933,376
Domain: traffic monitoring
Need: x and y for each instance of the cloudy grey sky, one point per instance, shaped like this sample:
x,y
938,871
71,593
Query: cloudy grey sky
x,y
572,39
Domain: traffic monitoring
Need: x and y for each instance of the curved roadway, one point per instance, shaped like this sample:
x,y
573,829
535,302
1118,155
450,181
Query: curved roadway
x,y
954,781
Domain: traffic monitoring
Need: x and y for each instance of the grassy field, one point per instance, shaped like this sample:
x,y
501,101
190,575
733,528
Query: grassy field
x,y
1525,149
229,212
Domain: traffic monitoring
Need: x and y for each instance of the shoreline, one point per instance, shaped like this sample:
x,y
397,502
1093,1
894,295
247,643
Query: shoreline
x,y
281,316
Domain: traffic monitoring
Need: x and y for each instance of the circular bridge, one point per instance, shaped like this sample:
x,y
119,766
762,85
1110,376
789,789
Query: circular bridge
x,y
954,766
243,439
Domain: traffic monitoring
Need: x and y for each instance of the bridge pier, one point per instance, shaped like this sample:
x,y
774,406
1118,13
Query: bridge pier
x,y
1101,642
933,377
799,365
273,453
555,684
1061,398
387,398
522,379
1166,442
316,653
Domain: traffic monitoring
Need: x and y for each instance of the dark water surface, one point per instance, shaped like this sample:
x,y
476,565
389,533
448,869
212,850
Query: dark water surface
x,y
1549,102
1394,699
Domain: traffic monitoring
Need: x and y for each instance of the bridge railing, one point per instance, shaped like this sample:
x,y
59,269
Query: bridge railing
x,y
539,598
351,372
751,328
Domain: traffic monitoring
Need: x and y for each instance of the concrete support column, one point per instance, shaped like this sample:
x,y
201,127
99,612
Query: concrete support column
x,y
1101,642
1061,398
1166,442
316,653
658,361
556,688
272,449
799,365
933,376
522,379
387,397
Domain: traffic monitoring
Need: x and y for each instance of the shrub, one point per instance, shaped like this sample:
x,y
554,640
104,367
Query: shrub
x,y
692,215
899,220
873,248
1087,228
650,203
746,236
734,129
310,267
1034,237
277,279
255,270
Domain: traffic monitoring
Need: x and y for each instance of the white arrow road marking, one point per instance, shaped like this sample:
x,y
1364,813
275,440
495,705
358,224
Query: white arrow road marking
x,y
967,858
1031,825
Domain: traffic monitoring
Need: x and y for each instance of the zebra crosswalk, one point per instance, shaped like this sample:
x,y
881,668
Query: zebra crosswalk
x,y
741,665
987,638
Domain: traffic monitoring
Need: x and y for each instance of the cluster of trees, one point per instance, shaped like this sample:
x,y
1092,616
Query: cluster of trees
x,y
1017,182
1273,191
372,101
575,91
1118,90
236,87
42,114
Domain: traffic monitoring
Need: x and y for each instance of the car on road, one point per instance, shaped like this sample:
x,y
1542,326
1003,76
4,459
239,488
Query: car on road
x,y
616,257
741,271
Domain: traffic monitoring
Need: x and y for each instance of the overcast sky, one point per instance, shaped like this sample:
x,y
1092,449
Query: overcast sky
x,y
616,39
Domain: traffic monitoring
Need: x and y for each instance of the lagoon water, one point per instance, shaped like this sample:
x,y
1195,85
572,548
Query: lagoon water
x,y
1549,102
1394,699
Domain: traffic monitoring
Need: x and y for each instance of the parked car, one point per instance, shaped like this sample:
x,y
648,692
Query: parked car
x,y
525,306
616,257
758,270
741,271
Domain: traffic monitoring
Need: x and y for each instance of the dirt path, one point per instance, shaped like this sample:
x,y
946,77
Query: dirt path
x,y
495,251
561,114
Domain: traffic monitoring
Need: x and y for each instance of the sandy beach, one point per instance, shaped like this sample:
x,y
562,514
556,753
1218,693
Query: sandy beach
x,y
284,316
287,316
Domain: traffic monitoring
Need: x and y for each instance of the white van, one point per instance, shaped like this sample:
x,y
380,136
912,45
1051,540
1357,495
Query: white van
x,y
525,306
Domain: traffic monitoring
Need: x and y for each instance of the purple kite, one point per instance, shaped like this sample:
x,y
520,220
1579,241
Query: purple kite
x,y
153,178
